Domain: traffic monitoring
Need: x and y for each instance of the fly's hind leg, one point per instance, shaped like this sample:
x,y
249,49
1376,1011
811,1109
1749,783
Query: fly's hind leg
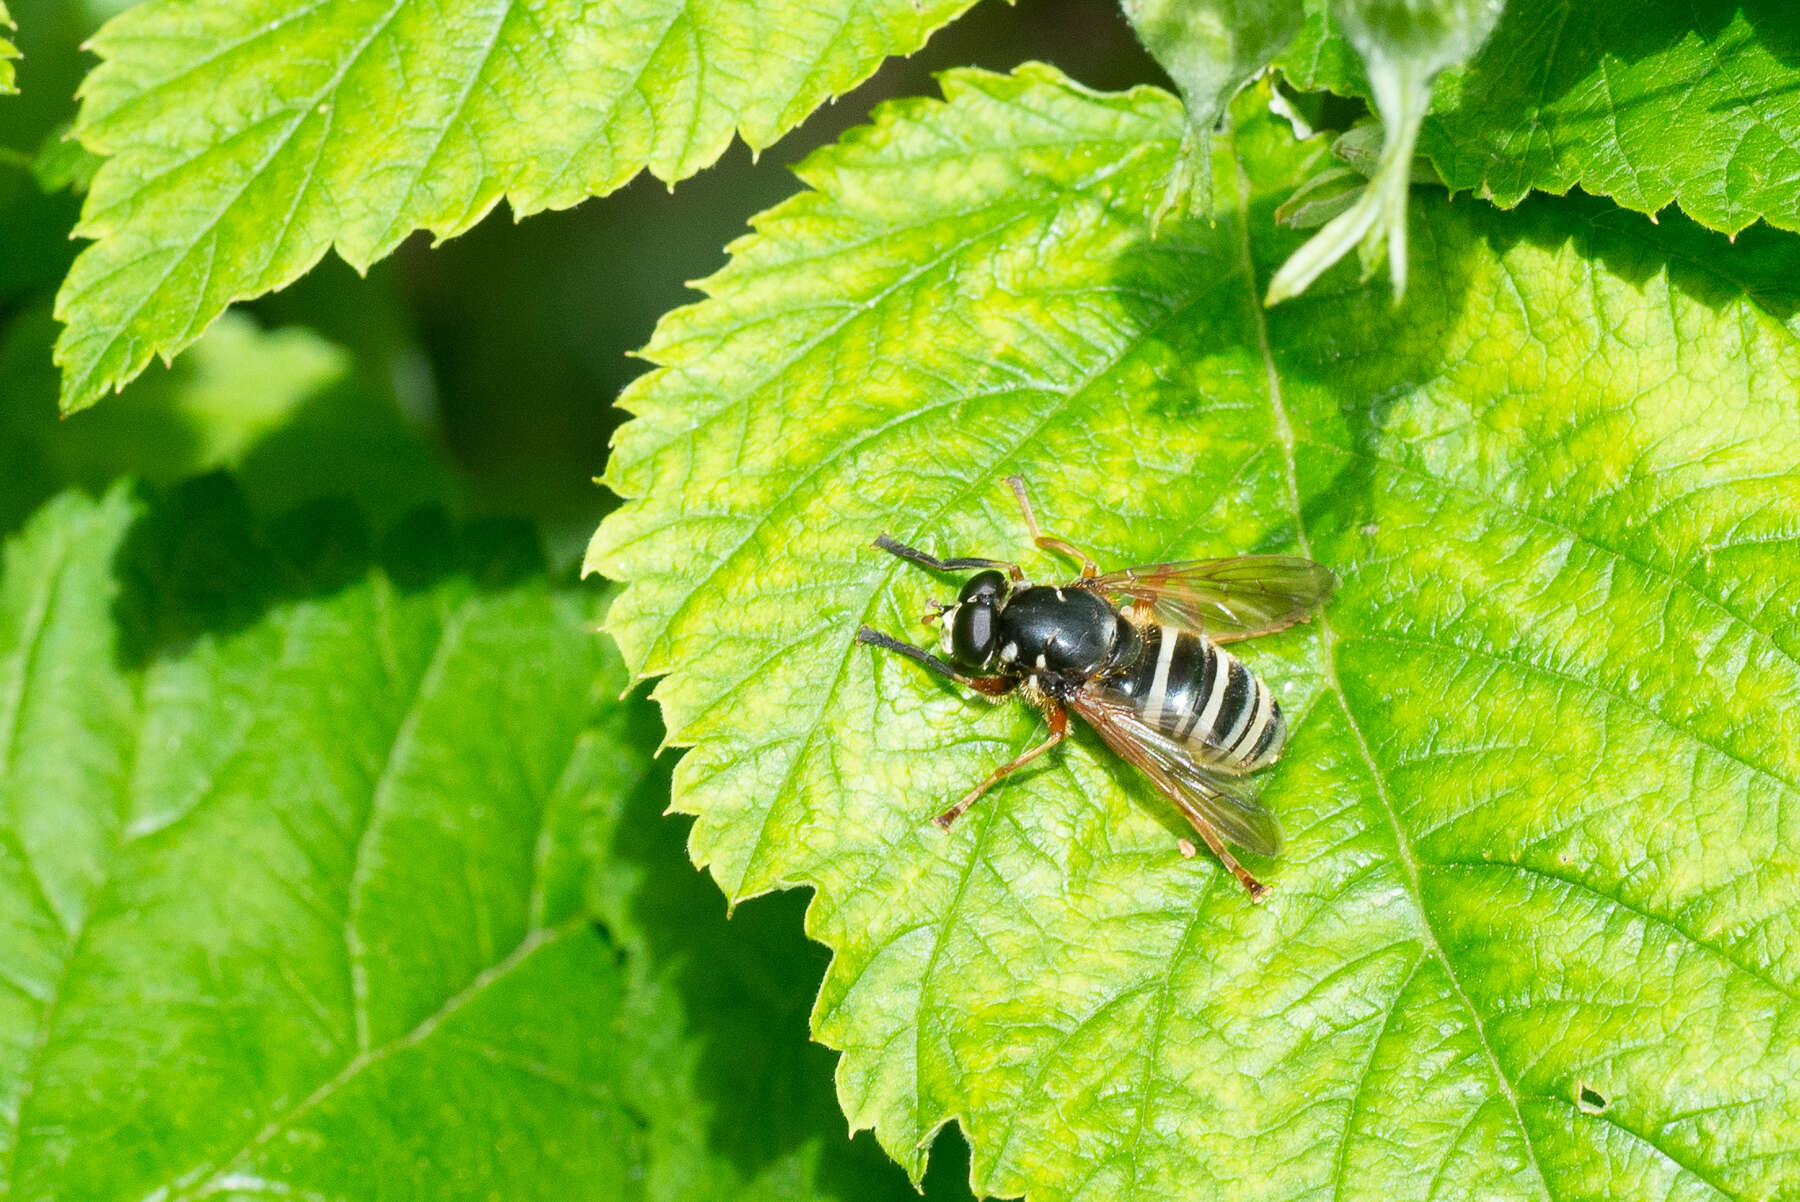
x,y
1255,888
1059,730
1061,546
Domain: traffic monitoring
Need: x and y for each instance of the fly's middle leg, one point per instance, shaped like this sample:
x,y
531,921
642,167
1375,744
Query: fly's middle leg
x,y
1061,546
1059,730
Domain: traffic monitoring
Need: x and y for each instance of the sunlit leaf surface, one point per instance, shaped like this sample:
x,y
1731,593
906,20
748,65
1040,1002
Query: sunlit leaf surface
x,y
247,138
1535,928
8,52
1652,104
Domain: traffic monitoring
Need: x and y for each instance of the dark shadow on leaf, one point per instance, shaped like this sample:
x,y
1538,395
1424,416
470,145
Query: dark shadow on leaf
x,y
292,416
198,562
747,986
347,438
1235,344
1761,265
1565,43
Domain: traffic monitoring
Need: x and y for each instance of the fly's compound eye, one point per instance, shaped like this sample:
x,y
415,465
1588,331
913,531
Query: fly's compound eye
x,y
984,587
972,632
970,623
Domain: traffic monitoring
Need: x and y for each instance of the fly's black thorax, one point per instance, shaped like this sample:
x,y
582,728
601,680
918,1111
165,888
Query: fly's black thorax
x,y
1063,636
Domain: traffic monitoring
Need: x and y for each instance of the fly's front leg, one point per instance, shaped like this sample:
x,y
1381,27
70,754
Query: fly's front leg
x,y
1061,546
989,686
1059,730
895,547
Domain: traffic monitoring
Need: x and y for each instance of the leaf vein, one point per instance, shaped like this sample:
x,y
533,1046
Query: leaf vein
x,y
405,734
199,1178
1653,917
1285,437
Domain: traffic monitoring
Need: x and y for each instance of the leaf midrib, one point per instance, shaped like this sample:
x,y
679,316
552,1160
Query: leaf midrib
x,y
1328,665
1408,855
399,747
196,1180
37,622
75,934
78,386
214,1170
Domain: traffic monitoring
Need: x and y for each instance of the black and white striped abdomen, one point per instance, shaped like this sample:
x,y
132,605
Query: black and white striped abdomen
x,y
1199,694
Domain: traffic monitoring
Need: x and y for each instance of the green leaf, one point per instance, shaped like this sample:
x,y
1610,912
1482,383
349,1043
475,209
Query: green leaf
x,y
246,139
324,877
36,225
1546,760
8,52
1211,49
1648,104
295,416
1403,44
62,163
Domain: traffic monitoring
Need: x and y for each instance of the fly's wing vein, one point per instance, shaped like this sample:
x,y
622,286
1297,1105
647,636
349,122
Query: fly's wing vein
x,y
1205,798
1227,599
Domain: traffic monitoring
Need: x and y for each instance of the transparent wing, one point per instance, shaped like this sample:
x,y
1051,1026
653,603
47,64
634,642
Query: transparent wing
x,y
1228,599
1206,798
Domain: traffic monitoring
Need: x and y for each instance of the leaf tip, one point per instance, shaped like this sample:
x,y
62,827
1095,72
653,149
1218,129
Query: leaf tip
x,y
77,394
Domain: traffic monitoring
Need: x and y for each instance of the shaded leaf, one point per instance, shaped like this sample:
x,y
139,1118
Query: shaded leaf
x,y
1648,104
246,139
1211,49
36,225
63,164
1547,739
324,876
1403,45
297,417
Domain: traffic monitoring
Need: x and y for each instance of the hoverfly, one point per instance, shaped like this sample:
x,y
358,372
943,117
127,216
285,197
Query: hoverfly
x,y
1138,654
